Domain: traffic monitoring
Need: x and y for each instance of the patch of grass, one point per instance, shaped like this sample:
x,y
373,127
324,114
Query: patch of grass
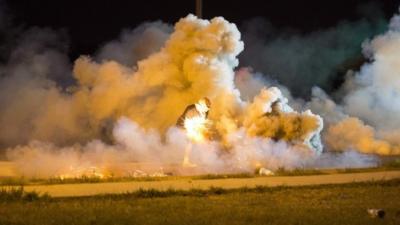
x,y
18,181
392,164
298,172
307,205
18,194
84,179
222,176
155,193
15,181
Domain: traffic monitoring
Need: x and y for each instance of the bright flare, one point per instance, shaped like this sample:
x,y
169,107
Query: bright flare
x,y
196,127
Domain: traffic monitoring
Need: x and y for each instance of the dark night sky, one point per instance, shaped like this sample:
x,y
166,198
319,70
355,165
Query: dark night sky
x,y
91,23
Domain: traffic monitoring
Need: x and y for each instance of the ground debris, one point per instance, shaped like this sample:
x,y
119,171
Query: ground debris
x,y
265,172
376,213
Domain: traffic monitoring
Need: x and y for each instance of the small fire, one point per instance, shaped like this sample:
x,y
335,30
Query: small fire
x,y
80,172
196,125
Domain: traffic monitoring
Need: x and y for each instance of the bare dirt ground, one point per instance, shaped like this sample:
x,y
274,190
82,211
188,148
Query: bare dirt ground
x,y
86,189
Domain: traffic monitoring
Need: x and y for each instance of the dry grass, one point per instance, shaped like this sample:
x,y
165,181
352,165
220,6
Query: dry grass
x,y
323,204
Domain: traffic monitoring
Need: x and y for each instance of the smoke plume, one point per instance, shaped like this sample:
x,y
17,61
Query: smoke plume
x,y
367,120
116,113
303,60
197,61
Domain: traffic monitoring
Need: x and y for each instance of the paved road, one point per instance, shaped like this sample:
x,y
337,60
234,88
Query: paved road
x,y
68,190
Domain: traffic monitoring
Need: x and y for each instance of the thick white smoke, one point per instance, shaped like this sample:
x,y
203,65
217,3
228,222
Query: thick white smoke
x,y
365,117
301,60
368,119
137,44
197,61
117,115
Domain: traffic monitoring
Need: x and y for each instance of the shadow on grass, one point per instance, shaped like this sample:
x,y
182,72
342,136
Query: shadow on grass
x,y
18,194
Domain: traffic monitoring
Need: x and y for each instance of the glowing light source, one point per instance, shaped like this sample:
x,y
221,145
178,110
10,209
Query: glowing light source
x,y
196,126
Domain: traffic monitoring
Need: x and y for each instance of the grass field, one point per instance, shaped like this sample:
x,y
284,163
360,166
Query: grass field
x,y
323,204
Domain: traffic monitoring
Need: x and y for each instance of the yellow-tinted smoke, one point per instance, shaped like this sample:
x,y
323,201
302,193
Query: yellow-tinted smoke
x,y
352,134
197,61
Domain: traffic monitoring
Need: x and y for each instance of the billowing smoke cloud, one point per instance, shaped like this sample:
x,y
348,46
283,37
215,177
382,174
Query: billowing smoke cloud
x,y
367,121
137,44
28,84
197,61
156,154
344,132
303,60
375,91
119,110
